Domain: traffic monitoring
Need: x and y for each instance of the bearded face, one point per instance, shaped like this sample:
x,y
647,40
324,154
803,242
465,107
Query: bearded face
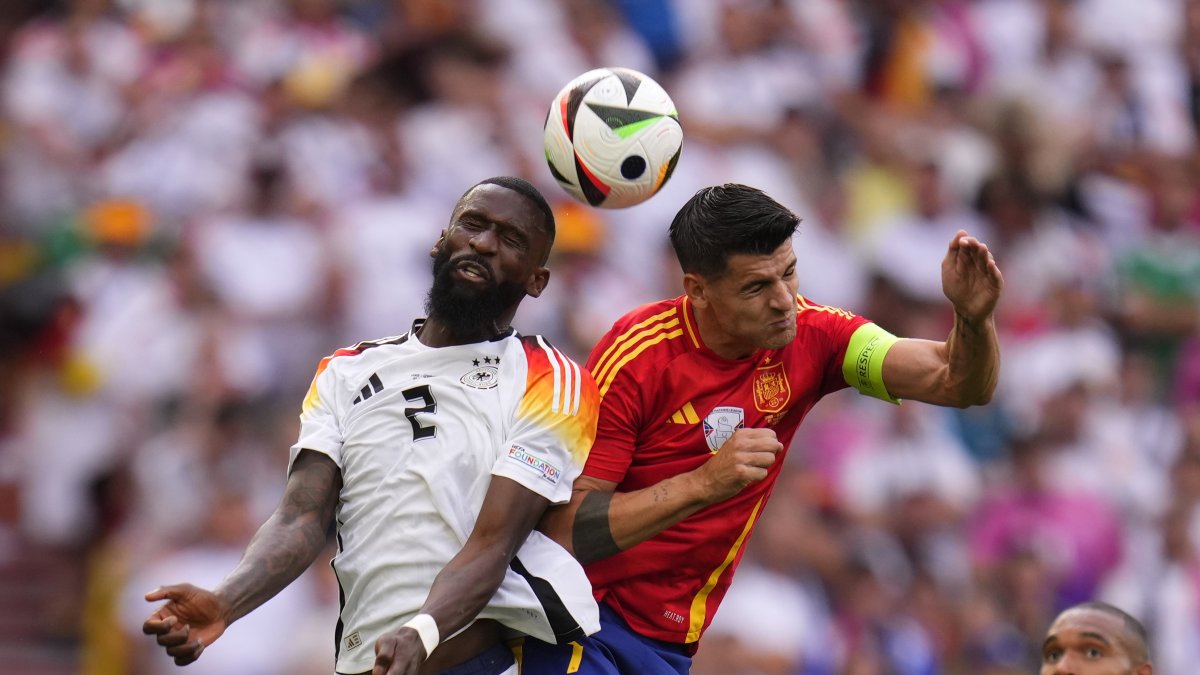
x,y
465,295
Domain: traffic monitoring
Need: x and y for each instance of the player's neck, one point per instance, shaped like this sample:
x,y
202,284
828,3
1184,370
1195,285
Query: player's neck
x,y
718,341
434,333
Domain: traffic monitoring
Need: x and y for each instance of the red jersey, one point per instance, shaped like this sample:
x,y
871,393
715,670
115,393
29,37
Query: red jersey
x,y
667,404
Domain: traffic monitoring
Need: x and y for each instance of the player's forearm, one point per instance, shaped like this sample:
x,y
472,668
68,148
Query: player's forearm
x,y
609,522
465,585
289,541
973,361
276,556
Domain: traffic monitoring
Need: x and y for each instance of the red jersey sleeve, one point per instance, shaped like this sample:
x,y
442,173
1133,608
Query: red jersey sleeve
x,y
834,326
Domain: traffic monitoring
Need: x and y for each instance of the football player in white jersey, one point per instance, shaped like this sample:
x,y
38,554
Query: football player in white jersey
x,y
435,453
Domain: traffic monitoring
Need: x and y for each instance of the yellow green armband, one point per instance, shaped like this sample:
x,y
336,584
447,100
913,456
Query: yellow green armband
x,y
863,365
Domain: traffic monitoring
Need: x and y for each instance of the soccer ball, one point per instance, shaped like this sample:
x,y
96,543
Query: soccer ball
x,y
612,137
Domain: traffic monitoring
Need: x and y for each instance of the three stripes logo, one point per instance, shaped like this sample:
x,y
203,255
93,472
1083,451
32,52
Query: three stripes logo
x,y
685,415
372,387
566,396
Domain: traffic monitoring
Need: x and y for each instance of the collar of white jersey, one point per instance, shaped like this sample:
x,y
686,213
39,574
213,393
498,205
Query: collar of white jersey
x,y
417,323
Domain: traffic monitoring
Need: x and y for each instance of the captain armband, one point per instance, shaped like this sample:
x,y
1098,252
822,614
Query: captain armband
x,y
863,365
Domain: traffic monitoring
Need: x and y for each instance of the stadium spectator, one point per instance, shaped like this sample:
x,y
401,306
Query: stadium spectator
x,y
1095,638
1167,596
280,317
1034,522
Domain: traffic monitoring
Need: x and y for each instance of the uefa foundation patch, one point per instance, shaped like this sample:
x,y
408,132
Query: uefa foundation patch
x,y
548,471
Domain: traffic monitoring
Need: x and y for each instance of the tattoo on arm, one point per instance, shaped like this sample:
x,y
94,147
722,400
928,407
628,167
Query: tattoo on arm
x,y
290,539
591,535
964,323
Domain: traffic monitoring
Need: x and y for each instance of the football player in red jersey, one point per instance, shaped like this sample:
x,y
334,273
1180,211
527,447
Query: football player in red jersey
x,y
700,398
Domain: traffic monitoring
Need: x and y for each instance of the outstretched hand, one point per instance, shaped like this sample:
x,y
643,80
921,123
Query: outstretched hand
x,y
970,278
399,652
192,619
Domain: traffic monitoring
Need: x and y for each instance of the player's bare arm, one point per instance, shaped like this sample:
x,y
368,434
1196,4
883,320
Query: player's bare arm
x,y
280,551
963,370
599,522
464,586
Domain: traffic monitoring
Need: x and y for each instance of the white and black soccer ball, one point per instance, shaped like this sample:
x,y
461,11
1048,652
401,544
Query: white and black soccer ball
x,y
612,137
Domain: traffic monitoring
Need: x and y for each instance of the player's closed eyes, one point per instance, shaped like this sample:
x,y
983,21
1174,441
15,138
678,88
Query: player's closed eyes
x,y
509,237
515,241
757,287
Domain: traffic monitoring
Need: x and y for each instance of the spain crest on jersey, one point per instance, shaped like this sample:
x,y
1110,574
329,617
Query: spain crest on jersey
x,y
771,389
720,424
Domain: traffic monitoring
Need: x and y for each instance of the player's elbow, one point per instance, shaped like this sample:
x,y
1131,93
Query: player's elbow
x,y
557,523
984,397
970,397
963,404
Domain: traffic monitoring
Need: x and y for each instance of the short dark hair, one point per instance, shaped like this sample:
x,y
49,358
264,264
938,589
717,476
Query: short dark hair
x,y
527,189
1132,626
725,220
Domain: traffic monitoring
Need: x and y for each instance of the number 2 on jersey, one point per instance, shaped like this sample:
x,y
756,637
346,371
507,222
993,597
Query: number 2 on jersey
x,y
424,395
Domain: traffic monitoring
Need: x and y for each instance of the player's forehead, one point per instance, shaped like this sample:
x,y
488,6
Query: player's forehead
x,y
745,266
1088,624
502,206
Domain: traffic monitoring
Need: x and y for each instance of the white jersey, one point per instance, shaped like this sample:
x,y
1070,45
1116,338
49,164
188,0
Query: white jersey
x,y
418,432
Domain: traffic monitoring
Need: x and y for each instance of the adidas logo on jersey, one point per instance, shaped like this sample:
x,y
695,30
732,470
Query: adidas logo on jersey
x,y
372,387
685,415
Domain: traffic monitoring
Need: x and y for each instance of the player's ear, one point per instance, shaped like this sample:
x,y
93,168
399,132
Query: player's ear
x,y
537,282
1144,669
695,288
437,245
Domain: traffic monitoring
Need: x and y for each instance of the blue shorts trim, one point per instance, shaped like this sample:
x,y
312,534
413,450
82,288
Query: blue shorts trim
x,y
493,661
614,650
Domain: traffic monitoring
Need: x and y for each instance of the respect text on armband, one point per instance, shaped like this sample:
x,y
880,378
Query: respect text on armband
x,y
863,365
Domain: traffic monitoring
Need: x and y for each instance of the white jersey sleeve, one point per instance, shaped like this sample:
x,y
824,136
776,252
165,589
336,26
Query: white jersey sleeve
x,y
554,424
320,423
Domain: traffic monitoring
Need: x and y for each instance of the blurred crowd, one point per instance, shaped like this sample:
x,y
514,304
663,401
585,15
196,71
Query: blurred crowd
x,y
200,198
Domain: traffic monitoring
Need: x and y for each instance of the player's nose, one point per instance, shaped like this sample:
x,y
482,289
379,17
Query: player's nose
x,y
484,241
1067,666
781,298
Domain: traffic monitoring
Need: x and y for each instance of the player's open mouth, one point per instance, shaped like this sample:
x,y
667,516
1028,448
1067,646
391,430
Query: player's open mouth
x,y
472,271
